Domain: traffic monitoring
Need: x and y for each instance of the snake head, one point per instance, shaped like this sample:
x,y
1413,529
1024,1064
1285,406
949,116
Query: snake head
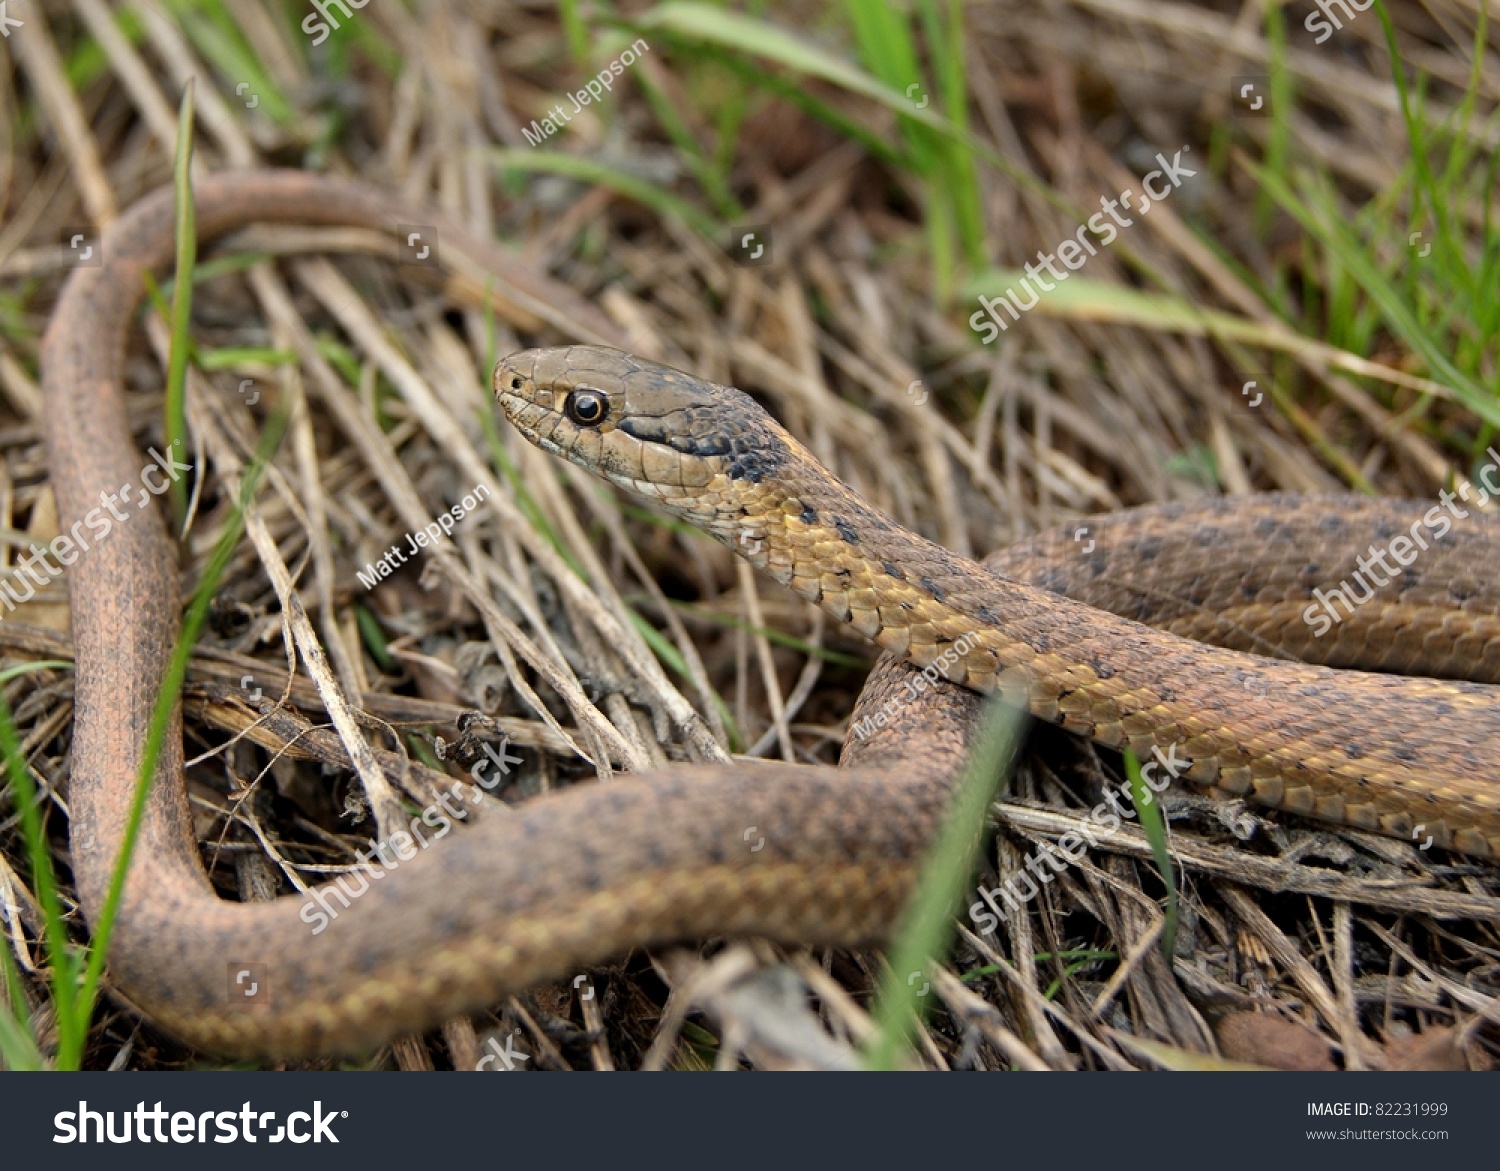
x,y
705,452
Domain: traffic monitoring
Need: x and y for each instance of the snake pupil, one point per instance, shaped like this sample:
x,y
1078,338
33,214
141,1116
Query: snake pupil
x,y
587,408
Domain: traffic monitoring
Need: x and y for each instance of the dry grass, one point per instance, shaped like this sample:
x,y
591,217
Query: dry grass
x,y
1366,952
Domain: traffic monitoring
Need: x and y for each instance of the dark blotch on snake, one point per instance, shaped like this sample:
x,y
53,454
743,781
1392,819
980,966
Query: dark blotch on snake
x,y
752,464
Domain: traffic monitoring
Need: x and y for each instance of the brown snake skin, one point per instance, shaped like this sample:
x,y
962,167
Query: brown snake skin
x,y
587,873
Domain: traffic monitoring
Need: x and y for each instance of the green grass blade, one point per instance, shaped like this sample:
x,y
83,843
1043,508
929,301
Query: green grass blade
x,y
1335,236
707,25
667,653
372,634
591,170
18,1049
927,923
962,185
1082,299
182,302
1154,825
223,47
575,30
711,178
61,956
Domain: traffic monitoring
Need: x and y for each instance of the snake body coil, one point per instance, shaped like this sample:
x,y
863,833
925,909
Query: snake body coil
x,y
584,874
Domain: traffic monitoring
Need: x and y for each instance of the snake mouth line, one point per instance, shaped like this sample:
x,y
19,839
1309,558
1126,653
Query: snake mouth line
x,y
516,410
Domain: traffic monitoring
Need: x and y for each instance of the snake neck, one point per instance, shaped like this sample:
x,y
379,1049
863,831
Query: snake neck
x,y
793,519
1105,677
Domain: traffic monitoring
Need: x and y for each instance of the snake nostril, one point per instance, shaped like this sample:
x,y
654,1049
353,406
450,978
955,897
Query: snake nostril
x,y
515,382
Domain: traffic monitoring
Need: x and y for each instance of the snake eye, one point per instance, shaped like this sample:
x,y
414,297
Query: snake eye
x,y
587,408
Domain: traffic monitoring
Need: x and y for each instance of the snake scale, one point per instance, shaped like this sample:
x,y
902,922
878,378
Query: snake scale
x,y
587,873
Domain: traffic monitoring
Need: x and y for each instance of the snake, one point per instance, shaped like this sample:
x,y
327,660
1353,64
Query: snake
x,y
582,875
